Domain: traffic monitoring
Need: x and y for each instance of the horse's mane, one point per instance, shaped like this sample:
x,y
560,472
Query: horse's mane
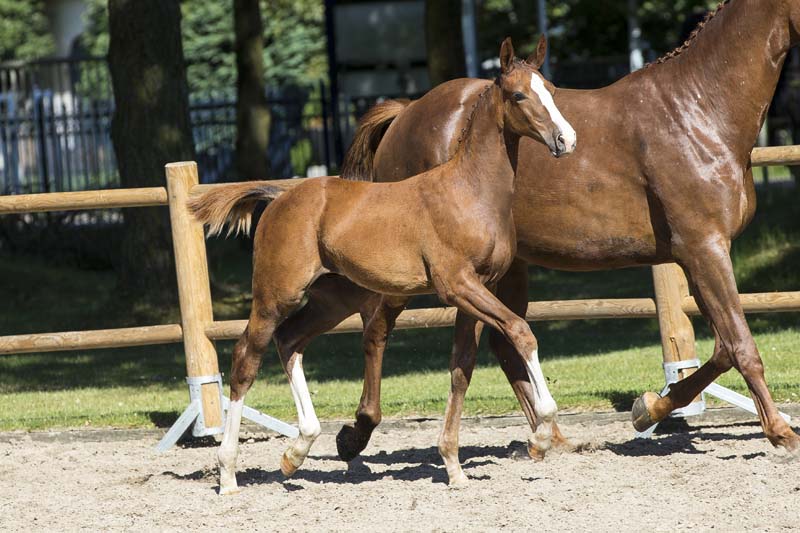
x,y
472,112
692,36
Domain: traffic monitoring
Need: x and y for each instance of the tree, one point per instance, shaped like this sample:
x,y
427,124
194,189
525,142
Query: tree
x,y
24,30
252,114
150,128
444,41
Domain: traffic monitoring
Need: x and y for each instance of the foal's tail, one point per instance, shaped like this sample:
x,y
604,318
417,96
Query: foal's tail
x,y
231,205
358,161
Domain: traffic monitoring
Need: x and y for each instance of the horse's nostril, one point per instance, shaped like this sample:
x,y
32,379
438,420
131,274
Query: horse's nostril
x,y
560,140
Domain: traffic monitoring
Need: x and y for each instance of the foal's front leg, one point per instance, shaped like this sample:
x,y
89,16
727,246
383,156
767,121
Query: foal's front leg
x,y
466,292
462,362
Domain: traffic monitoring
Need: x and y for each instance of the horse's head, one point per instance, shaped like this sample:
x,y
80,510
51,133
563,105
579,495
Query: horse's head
x,y
528,103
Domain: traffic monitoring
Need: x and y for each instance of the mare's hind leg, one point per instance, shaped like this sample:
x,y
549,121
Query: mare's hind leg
x,y
379,314
462,363
711,273
512,290
468,294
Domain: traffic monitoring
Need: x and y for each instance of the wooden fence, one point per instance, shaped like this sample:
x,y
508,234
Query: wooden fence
x,y
672,304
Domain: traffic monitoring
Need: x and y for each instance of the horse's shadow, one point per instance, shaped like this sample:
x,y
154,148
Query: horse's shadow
x,y
417,464
675,436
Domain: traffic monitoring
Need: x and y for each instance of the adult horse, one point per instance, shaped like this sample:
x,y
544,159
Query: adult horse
x,y
662,175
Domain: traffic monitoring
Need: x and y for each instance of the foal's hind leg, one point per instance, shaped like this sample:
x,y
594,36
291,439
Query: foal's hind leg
x,y
468,294
462,363
307,421
711,273
247,355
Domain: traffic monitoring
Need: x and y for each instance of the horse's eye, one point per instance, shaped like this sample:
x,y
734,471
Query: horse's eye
x,y
518,97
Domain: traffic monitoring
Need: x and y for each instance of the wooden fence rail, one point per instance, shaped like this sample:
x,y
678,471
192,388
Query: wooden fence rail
x,y
672,304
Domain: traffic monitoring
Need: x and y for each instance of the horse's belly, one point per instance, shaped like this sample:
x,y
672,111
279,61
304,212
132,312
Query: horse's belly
x,y
594,222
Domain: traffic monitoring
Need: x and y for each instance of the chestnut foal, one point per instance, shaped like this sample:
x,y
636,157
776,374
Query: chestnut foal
x,y
447,231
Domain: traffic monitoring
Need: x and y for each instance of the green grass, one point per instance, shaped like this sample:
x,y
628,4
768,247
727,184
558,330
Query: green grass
x,y
591,365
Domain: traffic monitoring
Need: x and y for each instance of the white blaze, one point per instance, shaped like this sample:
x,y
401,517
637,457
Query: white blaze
x,y
570,138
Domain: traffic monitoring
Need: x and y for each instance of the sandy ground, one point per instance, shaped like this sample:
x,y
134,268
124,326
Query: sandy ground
x,y
716,474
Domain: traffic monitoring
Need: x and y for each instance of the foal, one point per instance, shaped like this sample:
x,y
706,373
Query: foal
x,y
448,231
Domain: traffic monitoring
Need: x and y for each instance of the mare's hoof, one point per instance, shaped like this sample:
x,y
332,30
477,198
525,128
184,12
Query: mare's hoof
x,y
348,443
640,412
288,468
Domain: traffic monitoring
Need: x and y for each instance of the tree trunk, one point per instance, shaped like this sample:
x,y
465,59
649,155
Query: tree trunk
x,y
252,114
150,128
445,45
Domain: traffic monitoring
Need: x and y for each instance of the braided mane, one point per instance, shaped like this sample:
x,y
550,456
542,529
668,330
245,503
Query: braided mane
x,y
466,129
688,42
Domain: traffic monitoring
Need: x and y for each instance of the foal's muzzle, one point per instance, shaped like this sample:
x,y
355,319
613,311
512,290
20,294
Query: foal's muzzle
x,y
561,145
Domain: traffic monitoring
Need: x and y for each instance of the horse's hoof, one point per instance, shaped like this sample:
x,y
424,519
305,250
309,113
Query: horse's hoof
x,y
348,444
287,467
640,412
228,491
535,453
458,482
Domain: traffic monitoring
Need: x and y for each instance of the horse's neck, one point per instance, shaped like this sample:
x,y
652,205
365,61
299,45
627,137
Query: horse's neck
x,y
486,156
729,72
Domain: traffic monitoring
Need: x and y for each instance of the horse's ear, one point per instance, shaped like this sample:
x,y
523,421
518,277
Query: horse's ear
x,y
536,59
506,55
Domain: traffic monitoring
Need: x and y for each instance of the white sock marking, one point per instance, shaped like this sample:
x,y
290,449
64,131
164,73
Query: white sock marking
x,y
545,405
570,137
306,417
229,449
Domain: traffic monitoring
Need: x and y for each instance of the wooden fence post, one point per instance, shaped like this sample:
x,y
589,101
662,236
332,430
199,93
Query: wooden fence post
x,y
194,290
677,332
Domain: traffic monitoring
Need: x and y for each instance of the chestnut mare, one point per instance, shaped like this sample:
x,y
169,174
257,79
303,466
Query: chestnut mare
x,y
663,174
447,231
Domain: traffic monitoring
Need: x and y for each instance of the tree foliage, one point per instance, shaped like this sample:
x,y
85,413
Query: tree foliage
x,y
24,30
581,29
294,41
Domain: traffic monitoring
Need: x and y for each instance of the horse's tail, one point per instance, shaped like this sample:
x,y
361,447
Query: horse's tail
x,y
358,161
231,205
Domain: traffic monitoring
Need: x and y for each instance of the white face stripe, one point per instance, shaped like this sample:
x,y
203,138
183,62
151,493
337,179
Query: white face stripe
x,y
537,86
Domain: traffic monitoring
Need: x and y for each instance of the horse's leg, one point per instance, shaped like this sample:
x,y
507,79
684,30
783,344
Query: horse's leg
x,y
379,315
307,421
467,293
680,395
462,363
331,299
512,290
711,273
247,355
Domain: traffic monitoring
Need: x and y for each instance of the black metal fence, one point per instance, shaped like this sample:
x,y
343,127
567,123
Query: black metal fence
x,y
55,124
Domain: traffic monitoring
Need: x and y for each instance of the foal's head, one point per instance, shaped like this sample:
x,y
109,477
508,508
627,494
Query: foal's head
x,y
528,100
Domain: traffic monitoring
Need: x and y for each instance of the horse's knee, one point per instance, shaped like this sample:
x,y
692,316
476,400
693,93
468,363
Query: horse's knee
x,y
744,356
519,333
